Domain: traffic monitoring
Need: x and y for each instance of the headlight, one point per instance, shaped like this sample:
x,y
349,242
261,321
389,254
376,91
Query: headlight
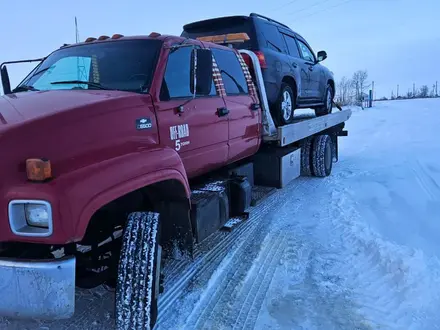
x,y
30,218
37,215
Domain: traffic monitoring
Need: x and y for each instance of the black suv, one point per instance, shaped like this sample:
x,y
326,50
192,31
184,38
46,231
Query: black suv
x,y
293,75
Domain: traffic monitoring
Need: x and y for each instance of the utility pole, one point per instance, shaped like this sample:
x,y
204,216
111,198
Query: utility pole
x,y
414,90
76,31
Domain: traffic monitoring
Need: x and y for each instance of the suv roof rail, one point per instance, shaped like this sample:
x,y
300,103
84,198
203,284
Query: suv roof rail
x,y
269,19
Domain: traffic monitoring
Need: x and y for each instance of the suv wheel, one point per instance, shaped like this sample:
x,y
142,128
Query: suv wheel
x,y
327,108
284,106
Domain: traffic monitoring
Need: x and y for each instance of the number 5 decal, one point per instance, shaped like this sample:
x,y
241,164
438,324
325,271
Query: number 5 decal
x,y
178,146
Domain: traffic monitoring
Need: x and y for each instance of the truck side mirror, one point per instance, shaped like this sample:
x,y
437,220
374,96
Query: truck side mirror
x,y
201,72
322,55
5,80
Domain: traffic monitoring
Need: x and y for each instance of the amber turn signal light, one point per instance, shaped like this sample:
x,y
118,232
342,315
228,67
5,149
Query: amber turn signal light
x,y
38,169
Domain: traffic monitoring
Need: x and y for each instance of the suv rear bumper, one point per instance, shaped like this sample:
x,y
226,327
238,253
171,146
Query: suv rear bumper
x,y
37,289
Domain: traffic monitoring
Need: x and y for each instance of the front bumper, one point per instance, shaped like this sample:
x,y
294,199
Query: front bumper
x,y
37,289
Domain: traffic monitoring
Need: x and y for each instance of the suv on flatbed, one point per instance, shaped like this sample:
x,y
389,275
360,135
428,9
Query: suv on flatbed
x,y
293,75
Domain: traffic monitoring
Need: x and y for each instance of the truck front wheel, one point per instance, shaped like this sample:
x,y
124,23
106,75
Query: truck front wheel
x,y
138,284
322,156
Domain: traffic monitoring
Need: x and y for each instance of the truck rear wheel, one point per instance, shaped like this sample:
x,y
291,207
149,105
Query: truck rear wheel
x,y
306,162
322,156
138,284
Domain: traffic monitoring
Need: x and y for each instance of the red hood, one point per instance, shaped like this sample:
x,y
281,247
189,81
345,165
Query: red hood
x,y
25,106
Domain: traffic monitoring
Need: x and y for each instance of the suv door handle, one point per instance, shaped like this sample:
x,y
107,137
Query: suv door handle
x,y
221,112
295,65
310,68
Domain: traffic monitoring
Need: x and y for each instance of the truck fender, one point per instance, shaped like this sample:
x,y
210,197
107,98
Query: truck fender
x,y
118,177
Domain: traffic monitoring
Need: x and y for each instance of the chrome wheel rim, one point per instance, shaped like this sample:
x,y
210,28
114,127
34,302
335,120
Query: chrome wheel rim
x,y
286,106
329,100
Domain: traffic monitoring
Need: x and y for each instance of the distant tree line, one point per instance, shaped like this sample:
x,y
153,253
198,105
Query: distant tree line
x,y
354,90
417,93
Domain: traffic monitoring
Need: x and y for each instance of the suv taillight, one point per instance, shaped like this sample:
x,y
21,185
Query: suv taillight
x,y
261,59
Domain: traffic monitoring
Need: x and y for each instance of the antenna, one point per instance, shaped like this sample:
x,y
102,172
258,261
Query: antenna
x,y
81,68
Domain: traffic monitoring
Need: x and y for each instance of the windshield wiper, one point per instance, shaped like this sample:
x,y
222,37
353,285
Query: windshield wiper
x,y
24,88
80,82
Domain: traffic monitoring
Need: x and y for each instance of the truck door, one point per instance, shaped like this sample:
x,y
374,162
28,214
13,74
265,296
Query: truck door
x,y
191,125
244,119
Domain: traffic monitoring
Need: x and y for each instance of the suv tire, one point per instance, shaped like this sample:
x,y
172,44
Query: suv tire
x,y
285,106
328,103
138,284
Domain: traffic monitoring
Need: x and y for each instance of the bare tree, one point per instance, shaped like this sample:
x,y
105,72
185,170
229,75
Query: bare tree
x,y
360,83
424,91
344,91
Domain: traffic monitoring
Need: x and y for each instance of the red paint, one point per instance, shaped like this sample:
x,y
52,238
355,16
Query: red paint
x,y
98,155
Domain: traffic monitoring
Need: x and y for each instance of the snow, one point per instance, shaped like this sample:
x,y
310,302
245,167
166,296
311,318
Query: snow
x,y
357,250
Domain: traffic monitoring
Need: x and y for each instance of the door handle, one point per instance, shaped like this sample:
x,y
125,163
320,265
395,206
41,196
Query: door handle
x,y
221,112
310,68
255,106
295,65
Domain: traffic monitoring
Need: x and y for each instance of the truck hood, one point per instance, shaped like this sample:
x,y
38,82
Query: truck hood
x,y
26,106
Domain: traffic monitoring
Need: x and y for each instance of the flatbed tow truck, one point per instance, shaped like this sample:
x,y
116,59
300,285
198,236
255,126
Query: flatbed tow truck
x,y
112,204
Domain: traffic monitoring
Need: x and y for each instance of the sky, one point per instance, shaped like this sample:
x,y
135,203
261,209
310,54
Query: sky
x,y
396,41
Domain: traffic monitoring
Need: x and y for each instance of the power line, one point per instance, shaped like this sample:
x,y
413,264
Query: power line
x,y
326,9
282,6
304,9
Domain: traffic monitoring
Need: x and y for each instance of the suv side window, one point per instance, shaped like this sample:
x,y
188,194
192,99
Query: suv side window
x,y
291,45
272,36
177,74
306,52
231,71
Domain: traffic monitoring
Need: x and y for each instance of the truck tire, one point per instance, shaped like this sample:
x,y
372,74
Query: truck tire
x,y
322,156
139,266
328,103
285,106
306,167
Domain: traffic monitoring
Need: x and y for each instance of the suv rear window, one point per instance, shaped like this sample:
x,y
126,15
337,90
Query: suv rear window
x,y
272,36
231,71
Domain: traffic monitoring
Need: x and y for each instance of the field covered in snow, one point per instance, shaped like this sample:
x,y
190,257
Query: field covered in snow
x,y
357,250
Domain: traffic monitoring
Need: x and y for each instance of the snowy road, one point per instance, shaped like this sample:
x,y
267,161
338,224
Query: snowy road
x,y
357,250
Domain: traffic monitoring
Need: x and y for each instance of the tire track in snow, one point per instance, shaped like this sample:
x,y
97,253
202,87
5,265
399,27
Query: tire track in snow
x,y
186,285
219,296
426,181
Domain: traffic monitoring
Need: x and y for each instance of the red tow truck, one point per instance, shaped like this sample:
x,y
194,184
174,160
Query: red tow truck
x,y
118,149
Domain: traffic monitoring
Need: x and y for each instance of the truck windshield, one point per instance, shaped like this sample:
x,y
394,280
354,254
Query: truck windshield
x,y
125,65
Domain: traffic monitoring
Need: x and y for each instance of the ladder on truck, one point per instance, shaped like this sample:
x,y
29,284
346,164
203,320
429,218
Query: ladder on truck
x,y
300,129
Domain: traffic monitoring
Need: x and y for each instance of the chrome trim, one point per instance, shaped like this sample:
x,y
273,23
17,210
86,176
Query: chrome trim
x,y
37,289
18,223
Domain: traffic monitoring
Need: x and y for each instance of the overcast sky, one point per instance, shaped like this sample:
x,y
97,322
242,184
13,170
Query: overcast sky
x,y
397,41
